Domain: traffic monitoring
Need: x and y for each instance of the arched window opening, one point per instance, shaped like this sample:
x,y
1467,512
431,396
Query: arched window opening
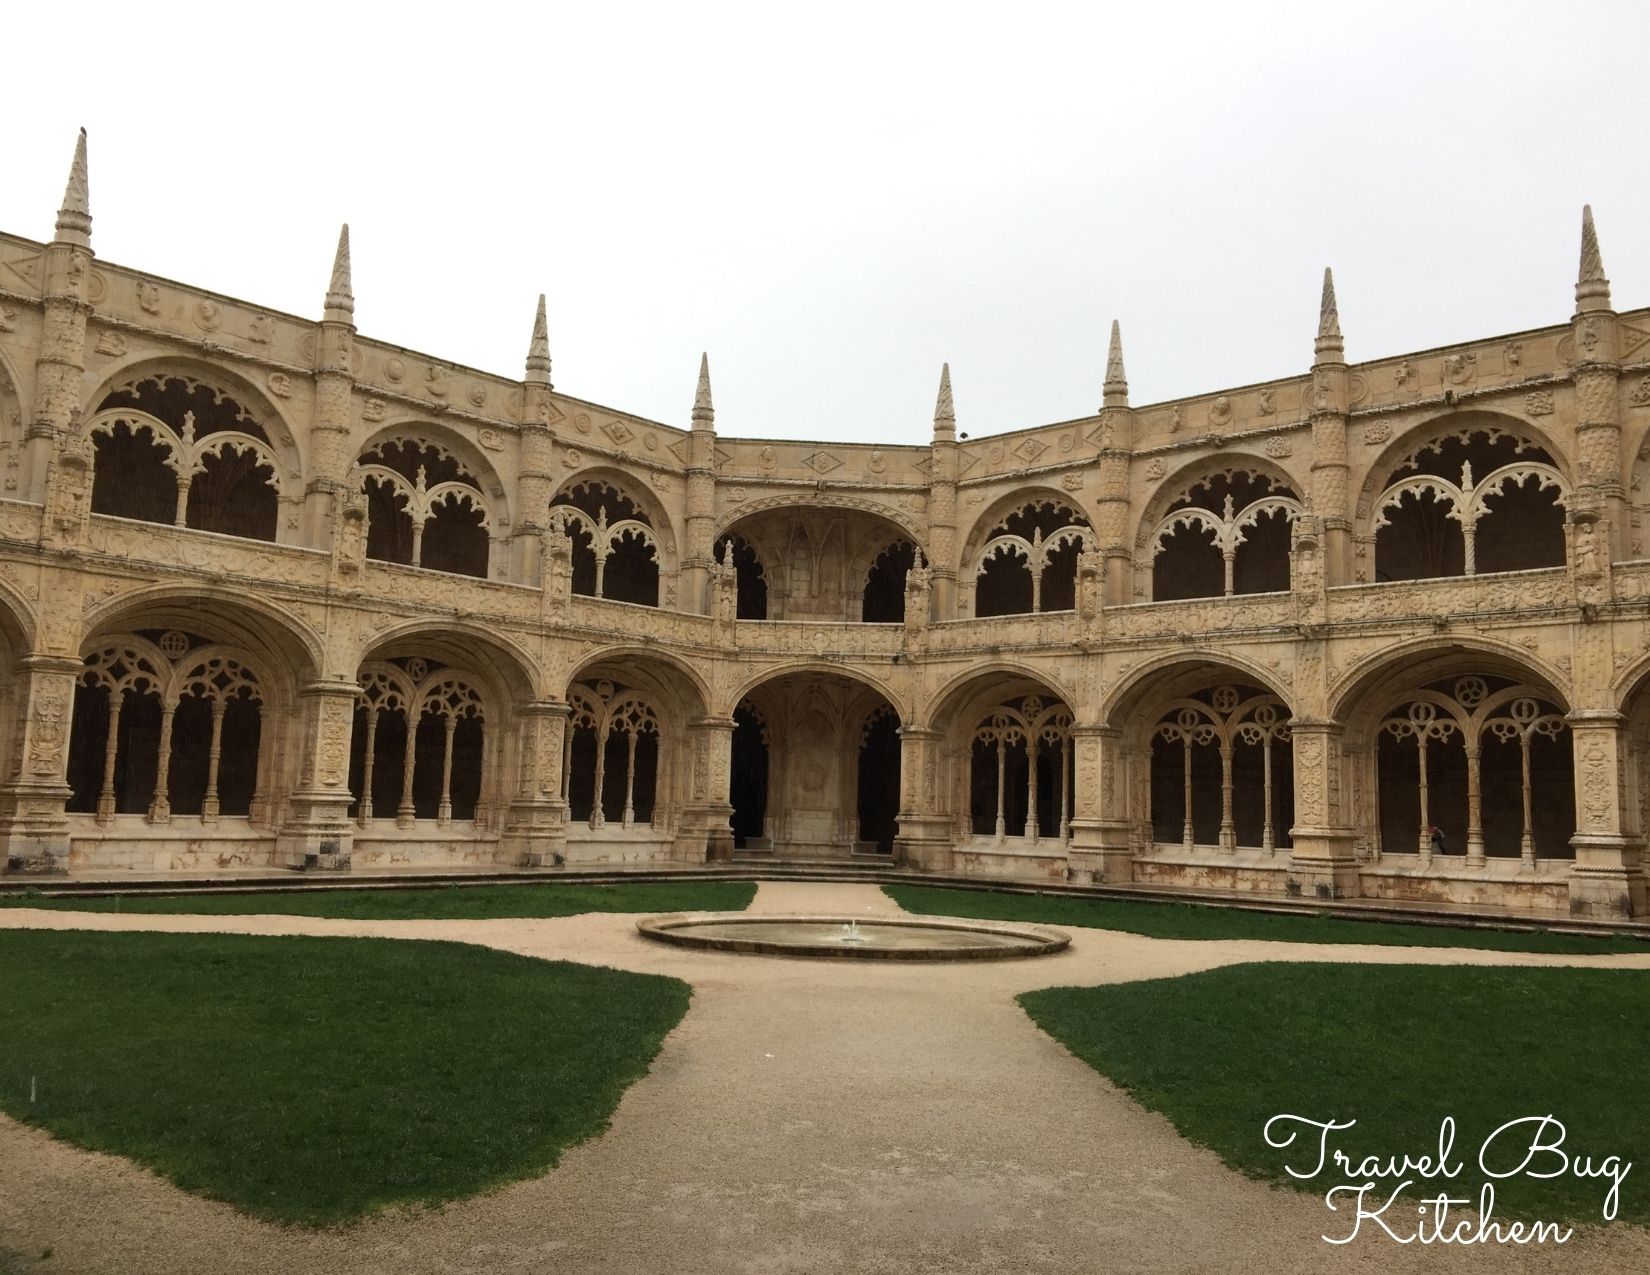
x,y
1478,767
1029,561
879,763
748,790
171,449
419,747
1478,500
424,508
132,476
1222,771
884,601
1226,534
378,743
1020,777
165,723
612,757
751,582
615,547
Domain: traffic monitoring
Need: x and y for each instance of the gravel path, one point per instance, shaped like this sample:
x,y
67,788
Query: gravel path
x,y
804,1117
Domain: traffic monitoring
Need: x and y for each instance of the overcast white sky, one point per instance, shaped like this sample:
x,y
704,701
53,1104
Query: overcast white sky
x,y
833,200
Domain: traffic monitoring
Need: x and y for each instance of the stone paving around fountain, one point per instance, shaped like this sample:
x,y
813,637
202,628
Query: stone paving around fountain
x,y
806,1116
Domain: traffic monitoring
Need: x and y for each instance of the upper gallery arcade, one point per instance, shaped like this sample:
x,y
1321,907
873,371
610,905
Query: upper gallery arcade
x,y
273,593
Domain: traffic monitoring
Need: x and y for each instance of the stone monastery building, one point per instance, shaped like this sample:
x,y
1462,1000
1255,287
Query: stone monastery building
x,y
275,594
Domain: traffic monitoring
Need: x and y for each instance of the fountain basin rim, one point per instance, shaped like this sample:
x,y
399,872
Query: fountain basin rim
x,y
678,928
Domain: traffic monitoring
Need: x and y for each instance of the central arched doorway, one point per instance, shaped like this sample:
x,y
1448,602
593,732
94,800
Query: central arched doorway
x,y
816,760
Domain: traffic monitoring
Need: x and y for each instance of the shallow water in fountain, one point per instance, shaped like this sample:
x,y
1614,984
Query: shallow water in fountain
x,y
869,934
932,938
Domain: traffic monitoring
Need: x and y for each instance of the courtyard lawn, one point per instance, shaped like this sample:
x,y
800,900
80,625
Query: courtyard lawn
x,y
1395,1047
1201,921
442,903
314,1080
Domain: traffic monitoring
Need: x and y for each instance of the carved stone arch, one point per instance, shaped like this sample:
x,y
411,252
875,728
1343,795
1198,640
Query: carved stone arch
x,y
151,668
19,622
505,671
180,446
845,672
290,652
1463,493
729,518
636,487
1172,675
1021,557
1376,474
1182,483
386,686
1358,695
204,744
1630,685
454,692
285,437
187,670
193,444
956,698
451,442
675,685
1012,502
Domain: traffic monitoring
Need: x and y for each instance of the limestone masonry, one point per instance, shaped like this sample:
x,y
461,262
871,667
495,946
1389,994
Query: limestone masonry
x,y
275,594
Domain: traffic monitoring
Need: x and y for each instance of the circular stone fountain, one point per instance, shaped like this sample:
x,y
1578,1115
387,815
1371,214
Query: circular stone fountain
x,y
887,938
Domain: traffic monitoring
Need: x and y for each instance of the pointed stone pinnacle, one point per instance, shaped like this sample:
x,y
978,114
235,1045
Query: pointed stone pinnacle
x,y
538,349
1329,317
1329,341
74,219
1592,288
340,302
945,412
703,411
1116,390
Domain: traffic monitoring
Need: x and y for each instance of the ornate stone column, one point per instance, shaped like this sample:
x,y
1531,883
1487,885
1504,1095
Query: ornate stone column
x,y
34,831
707,818
1100,849
1322,865
535,828
317,832
923,829
1608,878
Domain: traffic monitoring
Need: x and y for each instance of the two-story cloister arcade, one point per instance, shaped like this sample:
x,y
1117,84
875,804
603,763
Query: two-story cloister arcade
x,y
275,594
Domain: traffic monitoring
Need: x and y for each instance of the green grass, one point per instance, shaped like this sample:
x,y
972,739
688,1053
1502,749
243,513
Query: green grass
x,y
314,1080
1193,921
444,903
1395,1047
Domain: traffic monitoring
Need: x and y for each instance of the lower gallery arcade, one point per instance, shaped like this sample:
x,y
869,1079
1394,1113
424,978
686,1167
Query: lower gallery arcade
x,y
200,737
